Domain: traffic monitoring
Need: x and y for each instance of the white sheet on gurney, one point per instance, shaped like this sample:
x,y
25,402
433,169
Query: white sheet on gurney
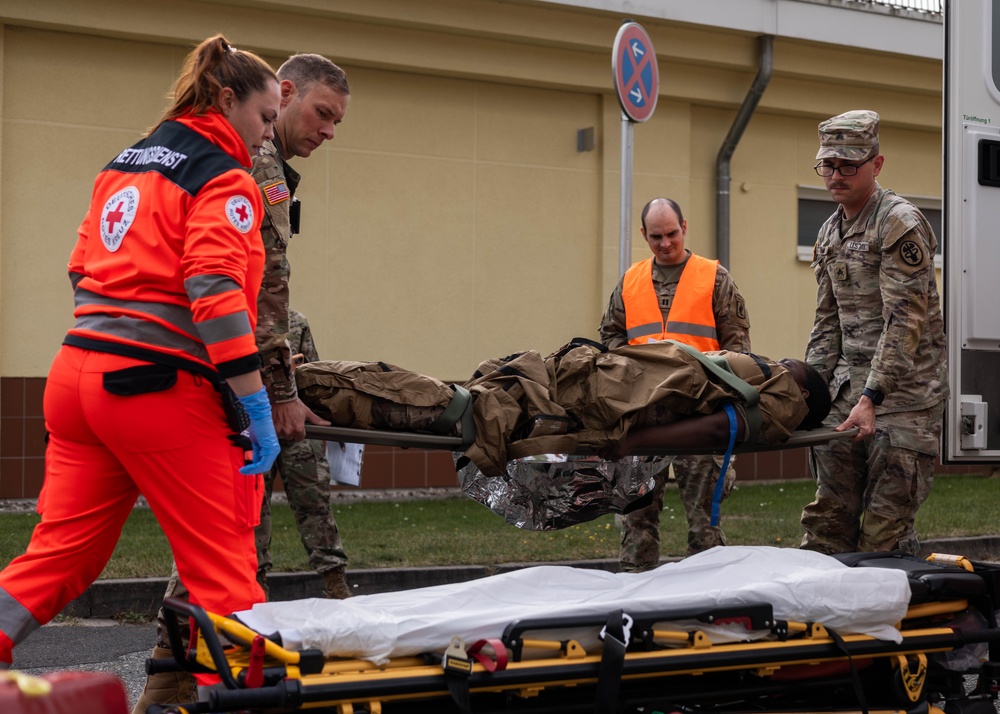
x,y
801,586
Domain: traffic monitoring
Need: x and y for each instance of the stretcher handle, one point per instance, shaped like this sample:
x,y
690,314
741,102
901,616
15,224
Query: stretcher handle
x,y
798,439
287,692
404,439
172,607
162,665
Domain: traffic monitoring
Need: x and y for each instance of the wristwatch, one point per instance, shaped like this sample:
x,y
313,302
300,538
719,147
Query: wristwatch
x,y
875,395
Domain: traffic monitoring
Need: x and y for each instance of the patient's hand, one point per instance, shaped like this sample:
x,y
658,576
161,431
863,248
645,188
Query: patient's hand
x,y
614,452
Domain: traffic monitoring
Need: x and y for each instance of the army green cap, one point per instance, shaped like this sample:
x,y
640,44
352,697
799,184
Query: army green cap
x,y
851,135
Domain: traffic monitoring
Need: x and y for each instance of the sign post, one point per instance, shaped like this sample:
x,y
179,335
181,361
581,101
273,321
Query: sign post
x,y
637,84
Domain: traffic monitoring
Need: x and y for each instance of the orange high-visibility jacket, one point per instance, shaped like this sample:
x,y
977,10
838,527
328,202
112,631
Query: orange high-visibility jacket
x,y
169,256
690,320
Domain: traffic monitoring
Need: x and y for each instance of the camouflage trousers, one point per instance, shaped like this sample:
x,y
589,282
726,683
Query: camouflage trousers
x,y
175,588
306,476
868,492
696,478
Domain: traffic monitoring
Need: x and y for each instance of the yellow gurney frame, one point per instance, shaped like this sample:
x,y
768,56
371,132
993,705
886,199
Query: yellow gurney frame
x,y
669,665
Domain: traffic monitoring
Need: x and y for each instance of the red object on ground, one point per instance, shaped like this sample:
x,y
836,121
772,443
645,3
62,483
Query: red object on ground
x,y
70,693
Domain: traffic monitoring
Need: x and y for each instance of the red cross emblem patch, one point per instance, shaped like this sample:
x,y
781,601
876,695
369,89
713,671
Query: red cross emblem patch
x,y
117,217
240,213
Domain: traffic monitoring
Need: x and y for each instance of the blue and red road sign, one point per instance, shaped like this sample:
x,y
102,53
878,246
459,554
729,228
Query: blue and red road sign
x,y
637,77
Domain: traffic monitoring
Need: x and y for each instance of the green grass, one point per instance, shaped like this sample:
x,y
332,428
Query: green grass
x,y
460,531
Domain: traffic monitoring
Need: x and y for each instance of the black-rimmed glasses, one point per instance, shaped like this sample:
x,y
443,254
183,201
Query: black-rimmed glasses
x,y
826,170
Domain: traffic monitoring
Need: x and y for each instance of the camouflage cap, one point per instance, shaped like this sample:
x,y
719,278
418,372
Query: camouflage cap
x,y
851,135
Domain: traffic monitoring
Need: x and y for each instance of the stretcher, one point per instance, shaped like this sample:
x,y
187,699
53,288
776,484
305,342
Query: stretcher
x,y
938,649
553,491
438,442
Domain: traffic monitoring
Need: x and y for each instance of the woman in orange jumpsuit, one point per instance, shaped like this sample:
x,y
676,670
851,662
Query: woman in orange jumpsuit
x,y
165,275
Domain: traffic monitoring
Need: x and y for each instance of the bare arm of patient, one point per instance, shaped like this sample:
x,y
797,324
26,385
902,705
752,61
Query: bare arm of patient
x,y
700,432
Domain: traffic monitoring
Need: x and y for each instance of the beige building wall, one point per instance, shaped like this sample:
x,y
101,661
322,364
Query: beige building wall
x,y
452,219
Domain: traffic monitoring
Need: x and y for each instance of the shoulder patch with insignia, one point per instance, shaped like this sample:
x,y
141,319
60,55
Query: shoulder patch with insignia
x,y
912,255
239,211
741,309
276,192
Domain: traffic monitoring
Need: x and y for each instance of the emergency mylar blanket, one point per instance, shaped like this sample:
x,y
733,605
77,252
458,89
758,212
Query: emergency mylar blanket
x,y
800,585
553,491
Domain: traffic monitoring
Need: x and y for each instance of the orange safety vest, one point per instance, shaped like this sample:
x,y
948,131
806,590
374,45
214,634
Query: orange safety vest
x,y
691,319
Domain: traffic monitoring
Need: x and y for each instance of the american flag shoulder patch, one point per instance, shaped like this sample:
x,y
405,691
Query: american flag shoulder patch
x,y
276,193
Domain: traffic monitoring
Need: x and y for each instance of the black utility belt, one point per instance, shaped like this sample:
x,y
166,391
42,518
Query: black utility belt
x,y
160,375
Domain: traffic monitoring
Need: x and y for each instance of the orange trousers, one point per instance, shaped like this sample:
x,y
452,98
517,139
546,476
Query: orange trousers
x,y
104,450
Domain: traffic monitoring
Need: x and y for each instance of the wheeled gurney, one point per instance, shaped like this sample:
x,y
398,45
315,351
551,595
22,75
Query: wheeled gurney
x,y
733,648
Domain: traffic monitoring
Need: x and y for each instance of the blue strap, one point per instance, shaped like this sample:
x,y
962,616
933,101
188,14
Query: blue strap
x,y
721,483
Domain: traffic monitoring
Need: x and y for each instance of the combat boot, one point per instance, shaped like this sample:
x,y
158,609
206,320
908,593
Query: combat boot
x,y
166,687
335,584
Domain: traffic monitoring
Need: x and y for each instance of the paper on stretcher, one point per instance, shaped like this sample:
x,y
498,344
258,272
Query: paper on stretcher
x,y
801,586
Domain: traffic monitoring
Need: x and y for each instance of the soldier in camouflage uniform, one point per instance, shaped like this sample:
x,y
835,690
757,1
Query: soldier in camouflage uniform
x,y
878,338
305,474
664,228
314,97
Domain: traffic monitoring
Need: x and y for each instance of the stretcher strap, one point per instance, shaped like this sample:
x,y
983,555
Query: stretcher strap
x,y
859,691
720,484
457,664
489,664
609,675
255,669
748,395
457,667
456,408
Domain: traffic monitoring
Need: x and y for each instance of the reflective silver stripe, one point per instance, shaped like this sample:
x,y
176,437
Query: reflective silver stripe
x,y
650,328
177,315
75,278
144,331
689,328
224,328
16,621
207,285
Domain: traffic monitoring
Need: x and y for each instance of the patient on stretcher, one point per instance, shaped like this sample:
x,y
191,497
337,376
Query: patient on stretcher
x,y
583,398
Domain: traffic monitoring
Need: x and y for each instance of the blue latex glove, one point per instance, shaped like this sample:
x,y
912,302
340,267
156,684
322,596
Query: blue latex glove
x,y
261,430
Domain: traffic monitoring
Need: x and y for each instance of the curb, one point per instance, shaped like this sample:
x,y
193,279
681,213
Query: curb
x,y
109,599
112,598
985,548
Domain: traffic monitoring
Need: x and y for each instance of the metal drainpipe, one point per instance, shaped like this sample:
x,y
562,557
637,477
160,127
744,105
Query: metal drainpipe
x,y
722,162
